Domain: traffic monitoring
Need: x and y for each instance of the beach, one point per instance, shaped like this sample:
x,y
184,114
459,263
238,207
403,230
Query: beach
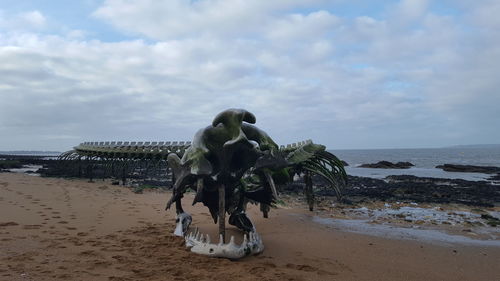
x,y
61,229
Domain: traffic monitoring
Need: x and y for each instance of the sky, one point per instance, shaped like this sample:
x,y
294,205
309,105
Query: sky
x,y
349,74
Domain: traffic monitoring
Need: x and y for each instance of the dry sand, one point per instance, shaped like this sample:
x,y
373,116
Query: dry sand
x,y
57,229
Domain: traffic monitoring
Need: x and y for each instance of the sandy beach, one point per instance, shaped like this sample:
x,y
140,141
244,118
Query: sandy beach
x,y
59,229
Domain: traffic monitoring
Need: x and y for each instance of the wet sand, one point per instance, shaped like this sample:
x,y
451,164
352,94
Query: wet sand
x,y
57,229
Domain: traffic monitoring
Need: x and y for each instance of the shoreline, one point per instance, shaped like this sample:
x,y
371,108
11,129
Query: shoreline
x,y
59,229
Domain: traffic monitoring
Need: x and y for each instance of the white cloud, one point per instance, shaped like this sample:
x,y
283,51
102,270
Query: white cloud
x,y
32,20
344,82
180,18
407,11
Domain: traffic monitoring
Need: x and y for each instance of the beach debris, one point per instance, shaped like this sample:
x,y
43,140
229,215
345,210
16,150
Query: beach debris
x,y
232,163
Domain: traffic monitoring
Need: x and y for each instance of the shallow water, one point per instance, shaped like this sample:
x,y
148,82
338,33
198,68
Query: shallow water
x,y
414,171
27,168
424,160
364,226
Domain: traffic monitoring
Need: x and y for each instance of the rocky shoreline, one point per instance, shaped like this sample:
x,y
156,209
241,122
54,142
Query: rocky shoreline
x,y
410,189
395,188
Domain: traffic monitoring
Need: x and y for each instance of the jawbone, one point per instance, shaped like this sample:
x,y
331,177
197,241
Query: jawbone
x,y
200,244
183,221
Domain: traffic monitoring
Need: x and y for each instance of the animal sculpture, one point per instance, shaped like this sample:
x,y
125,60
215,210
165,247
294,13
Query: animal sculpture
x,y
231,163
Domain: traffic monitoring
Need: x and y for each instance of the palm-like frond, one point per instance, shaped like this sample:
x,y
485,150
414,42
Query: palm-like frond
x,y
307,156
328,166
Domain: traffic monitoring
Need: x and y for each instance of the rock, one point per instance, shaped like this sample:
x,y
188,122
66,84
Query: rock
x,y
494,178
388,165
469,168
406,188
10,164
344,163
491,220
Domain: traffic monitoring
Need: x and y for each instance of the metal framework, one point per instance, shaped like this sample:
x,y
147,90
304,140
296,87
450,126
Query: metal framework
x,y
148,160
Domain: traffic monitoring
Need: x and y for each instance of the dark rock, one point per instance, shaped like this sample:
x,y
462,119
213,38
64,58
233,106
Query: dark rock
x,y
469,168
494,178
294,187
407,188
491,220
344,163
10,164
388,165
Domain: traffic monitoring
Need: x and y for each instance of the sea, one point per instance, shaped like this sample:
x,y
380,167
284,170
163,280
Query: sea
x,y
424,159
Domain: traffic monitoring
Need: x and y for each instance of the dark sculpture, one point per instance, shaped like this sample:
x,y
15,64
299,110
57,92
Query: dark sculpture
x,y
231,163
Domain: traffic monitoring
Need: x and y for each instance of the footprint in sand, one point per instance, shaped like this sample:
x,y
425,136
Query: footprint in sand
x,y
32,226
10,223
308,268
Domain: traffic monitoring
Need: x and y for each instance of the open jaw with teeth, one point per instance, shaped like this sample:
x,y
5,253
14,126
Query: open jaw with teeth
x,y
232,163
201,244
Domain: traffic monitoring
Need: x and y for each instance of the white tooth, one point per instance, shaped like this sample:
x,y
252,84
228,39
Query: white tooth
x,y
197,237
221,240
244,240
231,242
207,239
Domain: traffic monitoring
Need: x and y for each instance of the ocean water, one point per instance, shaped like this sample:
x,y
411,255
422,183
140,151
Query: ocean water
x,y
425,161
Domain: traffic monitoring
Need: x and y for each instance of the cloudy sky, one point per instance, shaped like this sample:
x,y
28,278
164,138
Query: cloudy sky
x,y
345,73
